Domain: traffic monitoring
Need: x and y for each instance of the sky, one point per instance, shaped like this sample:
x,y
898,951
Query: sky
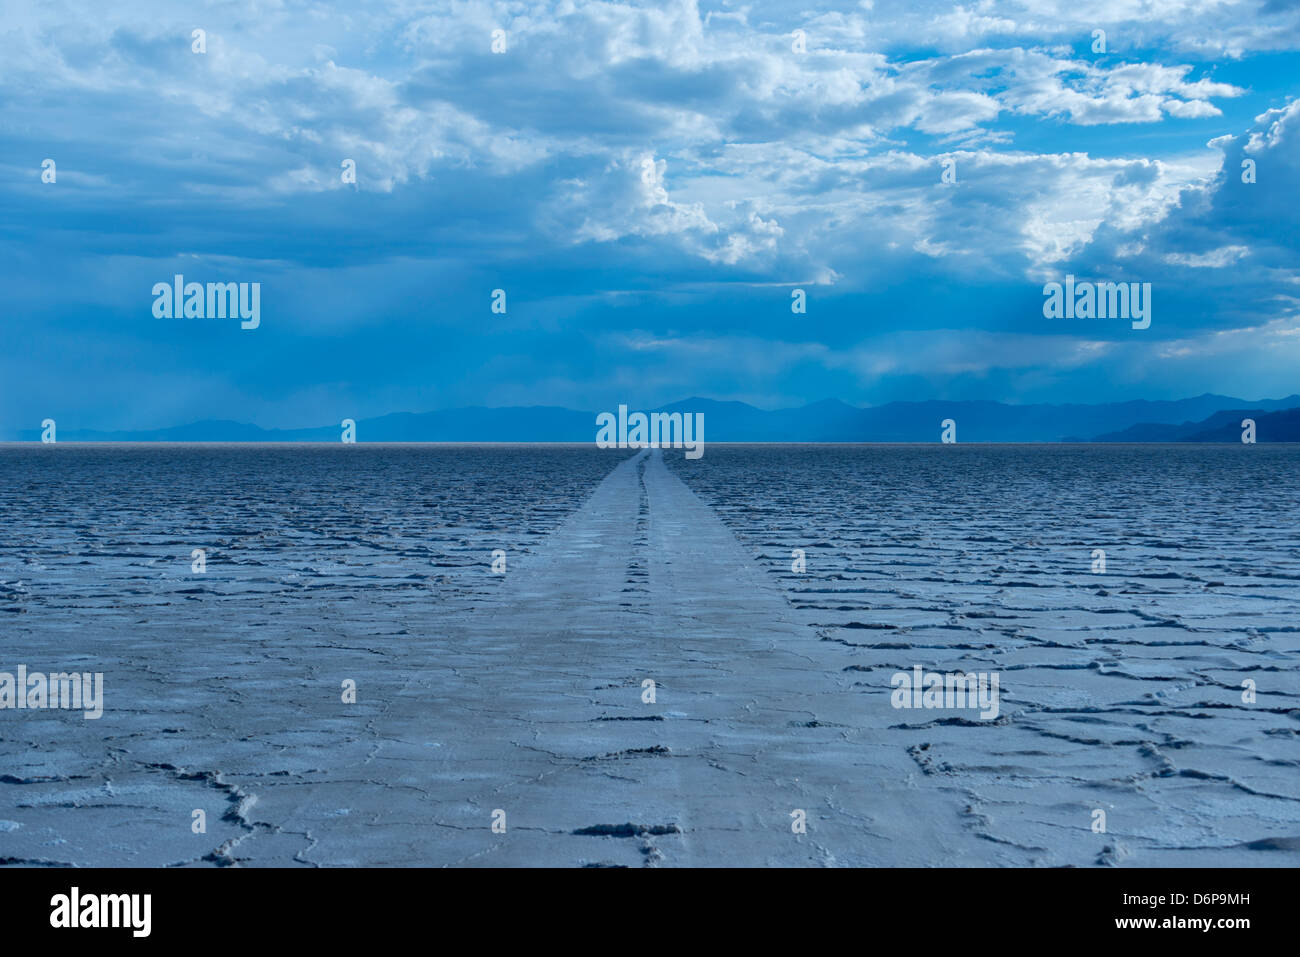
x,y
647,183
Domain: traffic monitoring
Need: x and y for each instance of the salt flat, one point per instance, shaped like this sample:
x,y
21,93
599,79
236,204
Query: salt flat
x,y
523,694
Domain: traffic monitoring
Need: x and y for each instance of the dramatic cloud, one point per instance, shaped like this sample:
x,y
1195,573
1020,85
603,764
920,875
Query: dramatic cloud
x,y
654,173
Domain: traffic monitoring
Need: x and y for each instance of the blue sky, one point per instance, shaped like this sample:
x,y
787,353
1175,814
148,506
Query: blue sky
x,y
647,183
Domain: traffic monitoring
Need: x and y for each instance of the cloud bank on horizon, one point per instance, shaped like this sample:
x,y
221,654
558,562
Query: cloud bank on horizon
x,y
648,184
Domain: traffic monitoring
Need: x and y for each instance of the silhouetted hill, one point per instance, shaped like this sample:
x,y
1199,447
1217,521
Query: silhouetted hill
x,y
1224,426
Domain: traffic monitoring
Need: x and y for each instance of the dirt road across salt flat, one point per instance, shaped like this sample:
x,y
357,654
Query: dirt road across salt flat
x,y
536,709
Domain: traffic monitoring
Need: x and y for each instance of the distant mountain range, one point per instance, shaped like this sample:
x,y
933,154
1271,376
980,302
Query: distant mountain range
x,y
1225,426
1205,418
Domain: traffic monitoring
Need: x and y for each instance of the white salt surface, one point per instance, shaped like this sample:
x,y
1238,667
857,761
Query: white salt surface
x,y
526,697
